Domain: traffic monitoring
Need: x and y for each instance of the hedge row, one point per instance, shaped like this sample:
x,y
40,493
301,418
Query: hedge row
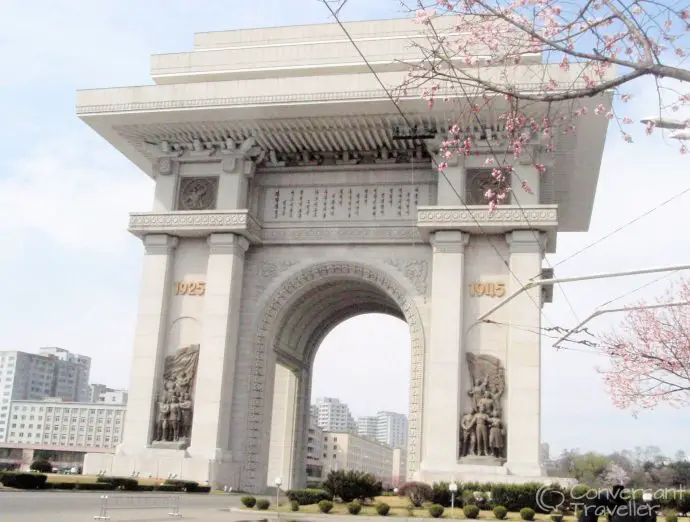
x,y
306,497
518,496
21,480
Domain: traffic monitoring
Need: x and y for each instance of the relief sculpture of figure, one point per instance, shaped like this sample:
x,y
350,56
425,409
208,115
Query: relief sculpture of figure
x,y
469,439
483,428
186,416
481,419
175,409
496,437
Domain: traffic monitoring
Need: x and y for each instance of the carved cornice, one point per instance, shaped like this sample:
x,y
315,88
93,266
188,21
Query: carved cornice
x,y
478,219
195,223
526,242
449,242
227,243
159,244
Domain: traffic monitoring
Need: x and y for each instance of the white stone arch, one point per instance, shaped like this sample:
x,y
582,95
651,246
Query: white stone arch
x,y
381,290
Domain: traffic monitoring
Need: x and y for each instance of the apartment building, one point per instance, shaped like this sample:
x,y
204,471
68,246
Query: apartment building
x,y
333,415
348,451
52,422
54,372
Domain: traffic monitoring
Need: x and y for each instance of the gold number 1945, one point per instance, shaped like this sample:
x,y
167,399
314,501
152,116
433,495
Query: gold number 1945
x,y
487,289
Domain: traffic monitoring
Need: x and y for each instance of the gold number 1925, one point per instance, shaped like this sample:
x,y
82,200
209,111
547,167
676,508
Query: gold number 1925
x,y
190,288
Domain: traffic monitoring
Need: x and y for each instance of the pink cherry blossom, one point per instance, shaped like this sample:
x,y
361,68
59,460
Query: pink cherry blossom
x,y
649,354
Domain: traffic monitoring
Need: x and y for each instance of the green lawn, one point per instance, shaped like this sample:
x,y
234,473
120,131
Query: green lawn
x,y
90,479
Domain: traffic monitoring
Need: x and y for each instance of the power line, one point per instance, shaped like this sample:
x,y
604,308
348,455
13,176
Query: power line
x,y
613,232
431,154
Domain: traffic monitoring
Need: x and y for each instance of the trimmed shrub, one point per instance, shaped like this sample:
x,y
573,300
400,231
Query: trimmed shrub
x,y
201,489
354,507
183,485
436,510
146,487
19,480
417,492
500,512
294,505
471,511
61,485
527,513
557,516
671,516
325,506
94,486
42,466
306,497
410,509
349,485
440,494
383,509
124,483
248,501
263,504
167,487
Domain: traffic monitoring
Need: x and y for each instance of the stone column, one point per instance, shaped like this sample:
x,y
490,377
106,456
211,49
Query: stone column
x,y
149,341
238,169
301,428
524,170
282,445
218,350
523,364
442,387
165,193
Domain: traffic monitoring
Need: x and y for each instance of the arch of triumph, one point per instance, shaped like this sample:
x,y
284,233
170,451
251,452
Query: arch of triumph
x,y
286,201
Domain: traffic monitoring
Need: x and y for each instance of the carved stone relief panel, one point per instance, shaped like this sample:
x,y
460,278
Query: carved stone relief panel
x,y
197,193
345,203
415,270
478,182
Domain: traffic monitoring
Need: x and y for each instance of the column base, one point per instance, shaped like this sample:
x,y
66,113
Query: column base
x,y
161,463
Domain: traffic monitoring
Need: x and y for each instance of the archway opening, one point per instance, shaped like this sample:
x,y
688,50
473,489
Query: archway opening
x,y
364,337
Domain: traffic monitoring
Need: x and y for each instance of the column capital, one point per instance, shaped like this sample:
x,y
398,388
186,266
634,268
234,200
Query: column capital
x,y
227,244
526,241
449,241
159,244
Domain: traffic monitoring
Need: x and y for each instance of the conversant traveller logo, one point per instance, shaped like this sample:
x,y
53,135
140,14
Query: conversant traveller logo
x,y
604,502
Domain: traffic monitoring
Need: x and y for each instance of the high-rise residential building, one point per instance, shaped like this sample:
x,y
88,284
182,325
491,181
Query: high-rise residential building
x,y
52,422
72,365
101,393
52,373
334,415
391,429
367,427
315,442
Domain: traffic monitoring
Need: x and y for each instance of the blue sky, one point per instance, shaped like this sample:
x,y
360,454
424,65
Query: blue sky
x,y
72,271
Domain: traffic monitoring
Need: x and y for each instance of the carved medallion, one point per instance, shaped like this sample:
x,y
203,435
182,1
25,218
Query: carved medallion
x,y
478,182
197,193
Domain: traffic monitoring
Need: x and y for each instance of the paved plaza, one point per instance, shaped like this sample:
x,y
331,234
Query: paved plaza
x,y
57,506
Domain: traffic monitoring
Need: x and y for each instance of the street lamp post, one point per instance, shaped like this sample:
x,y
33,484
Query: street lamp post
x,y
453,487
278,483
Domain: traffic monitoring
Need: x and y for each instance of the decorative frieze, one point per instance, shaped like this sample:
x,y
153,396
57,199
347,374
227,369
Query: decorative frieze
x,y
196,224
480,220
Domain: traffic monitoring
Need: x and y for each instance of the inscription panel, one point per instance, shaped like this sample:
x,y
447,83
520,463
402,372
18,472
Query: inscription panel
x,y
388,201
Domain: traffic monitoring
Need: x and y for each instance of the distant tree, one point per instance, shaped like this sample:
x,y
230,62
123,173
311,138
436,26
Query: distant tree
x,y
615,474
42,466
649,354
351,485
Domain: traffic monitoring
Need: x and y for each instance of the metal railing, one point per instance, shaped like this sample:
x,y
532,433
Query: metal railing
x,y
115,502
